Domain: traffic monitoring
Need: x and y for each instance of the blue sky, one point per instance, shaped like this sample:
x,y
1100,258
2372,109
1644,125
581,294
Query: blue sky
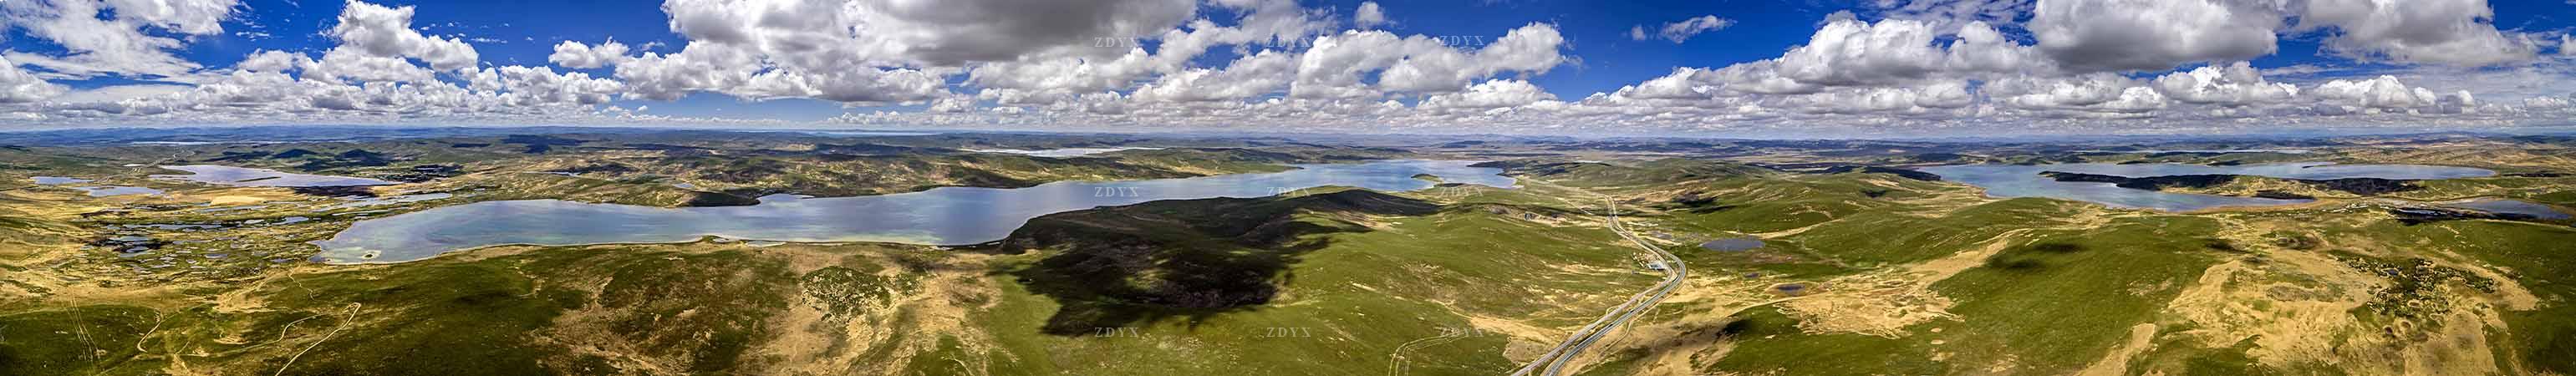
x,y
2328,65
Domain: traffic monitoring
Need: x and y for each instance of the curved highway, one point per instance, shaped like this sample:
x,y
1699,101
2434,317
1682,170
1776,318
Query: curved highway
x,y
1555,360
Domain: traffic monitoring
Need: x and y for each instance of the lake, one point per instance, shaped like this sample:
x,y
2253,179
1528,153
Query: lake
x,y
57,180
112,190
1060,153
939,216
2025,181
97,191
260,177
2509,206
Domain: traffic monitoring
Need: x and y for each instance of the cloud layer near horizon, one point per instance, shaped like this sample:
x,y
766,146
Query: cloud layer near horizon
x,y
1922,66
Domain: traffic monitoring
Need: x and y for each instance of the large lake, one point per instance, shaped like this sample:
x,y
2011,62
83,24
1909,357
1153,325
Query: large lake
x,y
2025,181
939,216
260,177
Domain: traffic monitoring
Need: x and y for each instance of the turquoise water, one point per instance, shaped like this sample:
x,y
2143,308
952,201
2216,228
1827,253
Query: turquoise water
x,y
944,216
2025,181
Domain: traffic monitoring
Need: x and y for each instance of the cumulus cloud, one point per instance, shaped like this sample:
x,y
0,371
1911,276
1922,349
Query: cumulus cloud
x,y
822,33
2151,35
385,32
2383,92
1490,95
1336,65
2098,92
1681,31
576,55
1261,74
2453,32
1849,52
2113,35
18,86
380,71
2231,85
133,38
1369,15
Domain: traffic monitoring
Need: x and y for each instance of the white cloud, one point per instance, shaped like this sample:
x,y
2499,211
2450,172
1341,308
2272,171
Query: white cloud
x,y
1335,66
828,34
18,86
385,32
1489,95
192,17
2117,35
2098,92
1682,31
2383,92
2453,32
2231,85
109,37
1264,73
576,55
1887,52
1369,16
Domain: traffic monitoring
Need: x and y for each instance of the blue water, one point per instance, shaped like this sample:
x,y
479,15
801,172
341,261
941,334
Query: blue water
x,y
255,177
1733,244
118,191
57,180
2505,206
1060,153
2025,181
943,216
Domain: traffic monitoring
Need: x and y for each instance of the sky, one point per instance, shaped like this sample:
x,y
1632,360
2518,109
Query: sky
x,y
1744,68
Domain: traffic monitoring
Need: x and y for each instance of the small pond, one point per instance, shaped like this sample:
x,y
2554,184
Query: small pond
x,y
1736,244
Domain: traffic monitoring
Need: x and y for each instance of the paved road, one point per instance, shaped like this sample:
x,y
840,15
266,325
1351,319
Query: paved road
x,y
1555,359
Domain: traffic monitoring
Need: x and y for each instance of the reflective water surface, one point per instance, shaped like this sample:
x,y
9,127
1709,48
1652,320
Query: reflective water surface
x,y
257,177
946,216
1059,153
2509,206
54,180
2025,181
112,190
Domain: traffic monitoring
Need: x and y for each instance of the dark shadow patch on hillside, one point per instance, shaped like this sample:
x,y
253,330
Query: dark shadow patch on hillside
x,y
2031,258
1126,266
539,144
